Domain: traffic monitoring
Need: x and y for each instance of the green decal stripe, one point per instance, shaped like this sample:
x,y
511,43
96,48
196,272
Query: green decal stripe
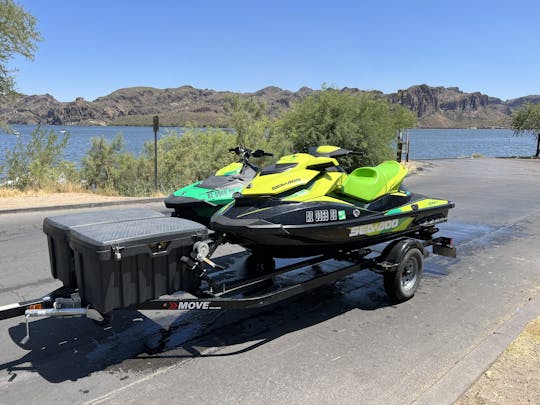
x,y
394,211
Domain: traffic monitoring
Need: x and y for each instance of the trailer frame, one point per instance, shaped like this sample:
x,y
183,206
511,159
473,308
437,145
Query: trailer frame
x,y
65,302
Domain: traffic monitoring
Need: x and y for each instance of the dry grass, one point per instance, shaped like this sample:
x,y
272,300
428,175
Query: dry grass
x,y
65,187
63,194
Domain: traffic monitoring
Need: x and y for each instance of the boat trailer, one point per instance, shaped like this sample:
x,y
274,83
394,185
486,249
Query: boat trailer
x,y
401,264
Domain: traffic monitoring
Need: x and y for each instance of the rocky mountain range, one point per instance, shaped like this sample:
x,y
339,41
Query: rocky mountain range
x,y
435,107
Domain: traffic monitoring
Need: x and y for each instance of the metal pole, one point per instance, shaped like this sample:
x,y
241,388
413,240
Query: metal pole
x,y
399,146
156,130
408,145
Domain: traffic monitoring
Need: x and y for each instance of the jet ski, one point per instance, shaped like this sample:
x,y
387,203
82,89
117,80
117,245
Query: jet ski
x,y
306,204
200,200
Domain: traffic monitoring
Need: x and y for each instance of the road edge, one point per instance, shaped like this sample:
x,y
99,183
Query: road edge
x,y
459,378
81,205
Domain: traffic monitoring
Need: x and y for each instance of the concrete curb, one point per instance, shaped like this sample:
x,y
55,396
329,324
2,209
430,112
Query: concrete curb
x,y
465,372
82,205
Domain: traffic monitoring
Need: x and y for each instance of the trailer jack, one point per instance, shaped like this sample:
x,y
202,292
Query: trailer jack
x,y
62,307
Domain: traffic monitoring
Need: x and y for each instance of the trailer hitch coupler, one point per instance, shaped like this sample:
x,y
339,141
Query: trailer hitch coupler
x,y
67,312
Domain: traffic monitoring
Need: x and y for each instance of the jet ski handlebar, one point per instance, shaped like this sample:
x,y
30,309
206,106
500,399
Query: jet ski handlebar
x,y
246,153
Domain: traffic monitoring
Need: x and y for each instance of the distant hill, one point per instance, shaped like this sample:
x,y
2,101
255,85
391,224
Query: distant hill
x,y
435,107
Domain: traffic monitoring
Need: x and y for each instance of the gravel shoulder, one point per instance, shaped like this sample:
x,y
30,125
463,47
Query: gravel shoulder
x,y
515,377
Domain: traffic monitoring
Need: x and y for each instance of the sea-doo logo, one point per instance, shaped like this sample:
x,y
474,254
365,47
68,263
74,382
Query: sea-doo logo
x,y
286,183
374,228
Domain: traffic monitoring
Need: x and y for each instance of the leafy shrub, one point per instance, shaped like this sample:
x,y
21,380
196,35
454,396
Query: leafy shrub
x,y
361,122
37,164
108,167
190,156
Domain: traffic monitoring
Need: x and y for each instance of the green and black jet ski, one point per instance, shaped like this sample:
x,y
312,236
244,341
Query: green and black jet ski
x,y
305,204
200,200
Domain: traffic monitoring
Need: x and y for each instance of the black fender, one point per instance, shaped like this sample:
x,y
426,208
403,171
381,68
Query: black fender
x,y
395,250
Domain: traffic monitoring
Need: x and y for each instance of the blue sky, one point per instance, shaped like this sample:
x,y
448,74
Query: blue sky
x,y
94,47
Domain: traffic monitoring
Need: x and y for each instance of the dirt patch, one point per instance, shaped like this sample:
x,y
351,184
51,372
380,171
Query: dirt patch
x,y
515,377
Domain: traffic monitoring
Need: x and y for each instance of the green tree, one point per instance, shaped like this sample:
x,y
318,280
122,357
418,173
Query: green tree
x,y
98,163
527,120
18,35
243,113
361,122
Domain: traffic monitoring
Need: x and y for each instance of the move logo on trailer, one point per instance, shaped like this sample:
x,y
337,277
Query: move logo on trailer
x,y
377,227
188,305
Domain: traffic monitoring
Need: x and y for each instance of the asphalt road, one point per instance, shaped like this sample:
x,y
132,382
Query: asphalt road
x,y
345,344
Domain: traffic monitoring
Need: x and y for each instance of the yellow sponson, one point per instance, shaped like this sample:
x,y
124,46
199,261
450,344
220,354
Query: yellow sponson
x,y
231,169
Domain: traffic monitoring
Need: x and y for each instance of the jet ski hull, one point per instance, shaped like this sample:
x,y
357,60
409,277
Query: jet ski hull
x,y
304,229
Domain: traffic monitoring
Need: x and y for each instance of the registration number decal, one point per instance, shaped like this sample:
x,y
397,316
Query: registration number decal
x,y
321,216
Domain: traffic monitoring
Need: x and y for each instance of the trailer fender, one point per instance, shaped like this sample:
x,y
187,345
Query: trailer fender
x,y
396,250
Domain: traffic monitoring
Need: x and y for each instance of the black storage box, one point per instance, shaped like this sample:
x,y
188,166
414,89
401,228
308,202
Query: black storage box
x,y
129,262
57,231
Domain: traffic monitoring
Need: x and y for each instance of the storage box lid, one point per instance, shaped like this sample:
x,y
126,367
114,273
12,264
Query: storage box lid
x,y
134,233
64,222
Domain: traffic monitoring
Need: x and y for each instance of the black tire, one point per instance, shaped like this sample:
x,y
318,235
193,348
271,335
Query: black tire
x,y
260,264
401,285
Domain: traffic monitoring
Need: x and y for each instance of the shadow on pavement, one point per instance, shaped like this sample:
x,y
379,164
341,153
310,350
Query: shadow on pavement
x,y
70,349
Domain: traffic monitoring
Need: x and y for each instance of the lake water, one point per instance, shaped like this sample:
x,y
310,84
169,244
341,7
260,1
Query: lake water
x,y
424,143
453,143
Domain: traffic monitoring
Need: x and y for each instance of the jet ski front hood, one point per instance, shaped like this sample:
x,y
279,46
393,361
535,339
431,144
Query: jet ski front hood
x,y
278,183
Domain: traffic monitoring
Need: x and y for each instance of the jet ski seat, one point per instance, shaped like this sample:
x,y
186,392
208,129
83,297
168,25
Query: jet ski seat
x,y
370,183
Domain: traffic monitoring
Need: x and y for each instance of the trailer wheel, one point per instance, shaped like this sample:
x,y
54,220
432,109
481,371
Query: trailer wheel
x,y
259,264
400,285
